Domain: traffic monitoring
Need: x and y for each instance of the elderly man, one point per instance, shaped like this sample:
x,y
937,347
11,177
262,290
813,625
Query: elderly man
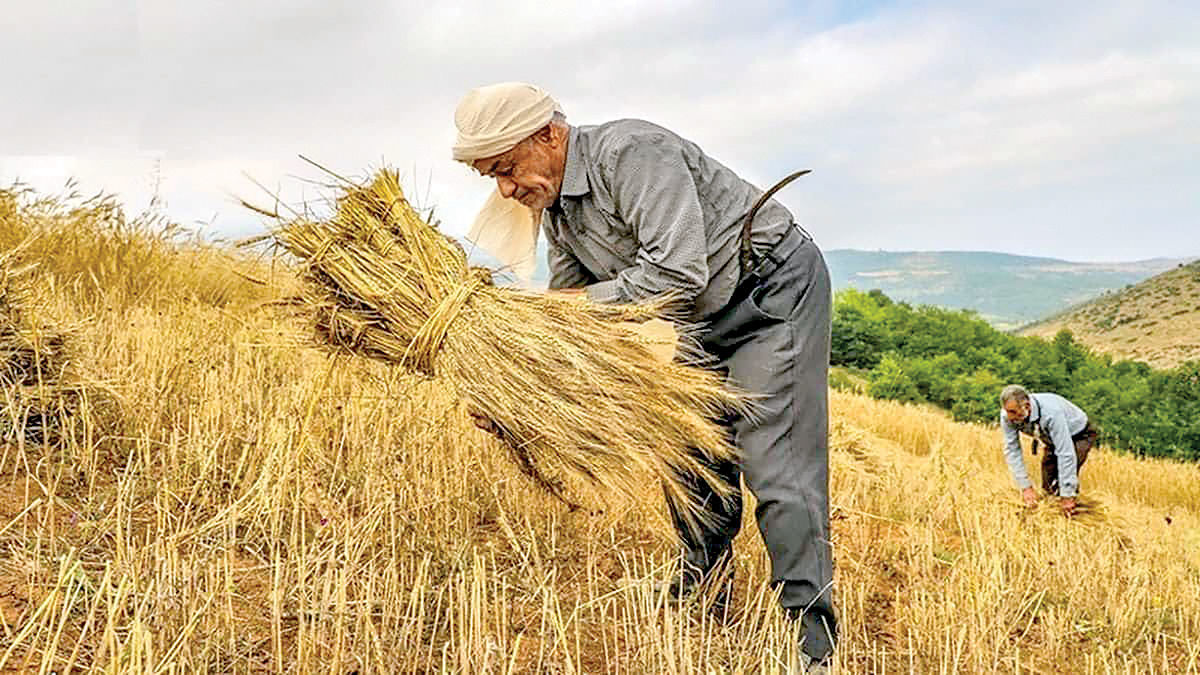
x,y
1064,429
631,211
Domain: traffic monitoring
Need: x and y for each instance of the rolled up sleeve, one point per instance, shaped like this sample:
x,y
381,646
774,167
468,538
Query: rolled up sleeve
x,y
655,194
607,292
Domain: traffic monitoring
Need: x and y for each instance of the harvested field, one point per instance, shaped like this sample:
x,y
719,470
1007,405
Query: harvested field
x,y
248,503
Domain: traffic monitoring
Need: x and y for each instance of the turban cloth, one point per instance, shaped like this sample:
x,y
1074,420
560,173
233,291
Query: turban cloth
x,y
491,120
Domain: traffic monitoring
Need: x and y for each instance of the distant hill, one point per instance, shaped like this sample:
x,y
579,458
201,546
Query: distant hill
x,y
1007,290
1156,321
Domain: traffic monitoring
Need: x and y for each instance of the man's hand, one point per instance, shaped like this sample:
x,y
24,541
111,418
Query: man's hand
x,y
568,292
1029,496
485,423
1067,504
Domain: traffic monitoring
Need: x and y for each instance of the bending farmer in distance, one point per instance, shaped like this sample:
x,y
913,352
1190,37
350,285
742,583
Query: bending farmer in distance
x,y
631,211
1061,426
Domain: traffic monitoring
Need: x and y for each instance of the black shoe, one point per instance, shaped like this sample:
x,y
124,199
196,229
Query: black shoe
x,y
816,640
807,665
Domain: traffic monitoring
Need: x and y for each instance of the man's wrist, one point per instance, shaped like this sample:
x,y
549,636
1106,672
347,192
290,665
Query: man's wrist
x,y
606,292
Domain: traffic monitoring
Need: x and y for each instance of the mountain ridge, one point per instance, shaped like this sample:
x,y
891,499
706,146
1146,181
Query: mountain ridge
x,y
1156,321
1009,290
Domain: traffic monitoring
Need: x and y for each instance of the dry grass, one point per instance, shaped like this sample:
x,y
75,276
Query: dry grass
x,y
258,507
1156,321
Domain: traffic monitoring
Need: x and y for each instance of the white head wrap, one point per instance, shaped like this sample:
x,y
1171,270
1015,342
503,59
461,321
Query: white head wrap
x,y
492,120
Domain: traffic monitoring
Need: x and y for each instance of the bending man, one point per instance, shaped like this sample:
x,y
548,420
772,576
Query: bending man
x,y
631,211
1061,426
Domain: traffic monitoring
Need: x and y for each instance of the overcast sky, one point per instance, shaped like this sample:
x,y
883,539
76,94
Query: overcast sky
x,y
1069,130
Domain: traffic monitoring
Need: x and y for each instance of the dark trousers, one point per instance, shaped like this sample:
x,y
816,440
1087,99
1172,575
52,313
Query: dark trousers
x,y
772,340
1084,442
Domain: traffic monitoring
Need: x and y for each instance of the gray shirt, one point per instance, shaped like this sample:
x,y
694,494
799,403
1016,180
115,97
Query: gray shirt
x,y
643,212
1058,420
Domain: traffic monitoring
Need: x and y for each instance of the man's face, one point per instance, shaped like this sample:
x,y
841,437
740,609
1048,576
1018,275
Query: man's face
x,y
1016,410
531,172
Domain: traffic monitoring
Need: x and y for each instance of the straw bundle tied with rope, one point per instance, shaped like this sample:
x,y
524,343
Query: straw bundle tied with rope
x,y
575,394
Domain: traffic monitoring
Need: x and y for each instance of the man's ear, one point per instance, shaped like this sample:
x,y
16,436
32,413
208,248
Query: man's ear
x,y
546,135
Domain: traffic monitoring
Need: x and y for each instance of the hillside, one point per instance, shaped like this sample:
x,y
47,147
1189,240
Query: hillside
x,y
1156,321
218,497
1007,290
959,362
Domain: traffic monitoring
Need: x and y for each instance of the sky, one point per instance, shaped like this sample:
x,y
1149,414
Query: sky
x,y
1066,129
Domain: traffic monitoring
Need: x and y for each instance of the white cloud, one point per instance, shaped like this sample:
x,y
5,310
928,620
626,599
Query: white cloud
x,y
929,125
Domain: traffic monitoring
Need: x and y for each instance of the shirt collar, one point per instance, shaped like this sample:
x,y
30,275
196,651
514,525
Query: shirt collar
x,y
575,180
1035,410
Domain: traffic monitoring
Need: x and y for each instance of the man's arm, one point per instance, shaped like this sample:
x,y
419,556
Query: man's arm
x,y
1064,450
654,193
565,269
1013,455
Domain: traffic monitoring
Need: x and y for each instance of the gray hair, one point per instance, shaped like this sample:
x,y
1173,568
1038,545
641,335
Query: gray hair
x,y
1014,392
558,122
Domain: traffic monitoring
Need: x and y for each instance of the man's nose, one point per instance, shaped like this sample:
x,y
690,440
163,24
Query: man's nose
x,y
507,186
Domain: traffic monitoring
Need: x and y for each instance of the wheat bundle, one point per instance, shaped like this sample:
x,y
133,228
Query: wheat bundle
x,y
575,394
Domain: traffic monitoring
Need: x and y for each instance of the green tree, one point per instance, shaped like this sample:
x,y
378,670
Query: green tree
x,y
858,338
1038,368
889,380
879,297
1070,353
977,397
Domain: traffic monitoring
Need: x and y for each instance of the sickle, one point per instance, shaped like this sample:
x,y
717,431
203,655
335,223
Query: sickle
x,y
747,257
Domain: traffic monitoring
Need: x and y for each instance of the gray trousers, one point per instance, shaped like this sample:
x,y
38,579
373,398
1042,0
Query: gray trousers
x,y
772,340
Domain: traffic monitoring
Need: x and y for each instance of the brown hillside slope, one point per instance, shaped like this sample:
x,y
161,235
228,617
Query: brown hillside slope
x,y
1156,321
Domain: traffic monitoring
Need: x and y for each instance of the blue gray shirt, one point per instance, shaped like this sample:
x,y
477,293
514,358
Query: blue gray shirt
x,y
643,212
1058,420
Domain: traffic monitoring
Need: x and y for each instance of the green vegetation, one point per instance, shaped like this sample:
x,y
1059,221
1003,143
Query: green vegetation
x,y
954,359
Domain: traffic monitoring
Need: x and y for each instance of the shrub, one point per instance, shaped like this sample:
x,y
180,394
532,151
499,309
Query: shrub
x,y
890,381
